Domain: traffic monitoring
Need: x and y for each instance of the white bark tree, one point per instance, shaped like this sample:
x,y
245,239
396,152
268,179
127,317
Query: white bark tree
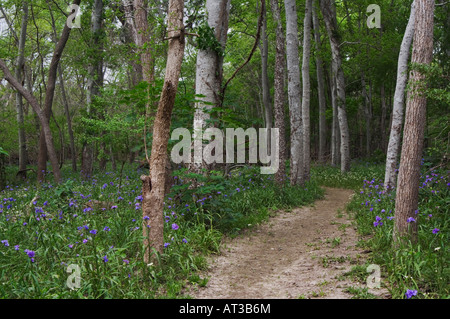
x,y
329,14
306,100
393,150
294,94
209,68
320,86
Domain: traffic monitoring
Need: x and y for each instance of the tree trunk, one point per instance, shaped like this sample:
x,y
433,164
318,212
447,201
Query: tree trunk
x,y
294,94
73,153
329,14
65,102
131,39
409,173
320,88
20,74
43,120
209,68
279,91
367,113
154,184
306,100
335,154
268,111
397,112
94,84
143,40
2,171
383,117
44,116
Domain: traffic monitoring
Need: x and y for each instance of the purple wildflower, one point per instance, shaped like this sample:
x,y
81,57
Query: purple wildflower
x,y
410,219
409,293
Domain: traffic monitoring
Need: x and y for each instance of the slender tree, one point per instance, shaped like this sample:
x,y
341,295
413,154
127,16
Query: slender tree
x,y
20,67
306,100
94,82
65,101
142,38
154,184
329,15
397,112
264,48
279,91
320,86
294,93
47,146
209,68
406,201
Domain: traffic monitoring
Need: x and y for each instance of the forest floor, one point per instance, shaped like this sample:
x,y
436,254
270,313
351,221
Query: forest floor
x,y
307,252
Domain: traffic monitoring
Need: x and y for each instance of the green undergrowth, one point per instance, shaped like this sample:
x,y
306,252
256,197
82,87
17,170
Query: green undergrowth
x,y
408,270
52,233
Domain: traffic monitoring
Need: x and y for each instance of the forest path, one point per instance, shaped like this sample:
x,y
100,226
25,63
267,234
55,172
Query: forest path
x,y
298,254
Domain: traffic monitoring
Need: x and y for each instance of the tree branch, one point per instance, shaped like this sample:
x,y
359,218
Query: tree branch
x,y
255,45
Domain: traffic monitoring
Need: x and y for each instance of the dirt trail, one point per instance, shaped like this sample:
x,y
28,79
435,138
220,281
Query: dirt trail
x,y
298,254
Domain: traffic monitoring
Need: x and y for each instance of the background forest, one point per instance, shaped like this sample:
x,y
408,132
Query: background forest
x,y
79,105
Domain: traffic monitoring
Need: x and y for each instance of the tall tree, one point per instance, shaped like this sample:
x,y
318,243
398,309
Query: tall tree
x,y
94,81
142,34
409,172
320,86
154,184
329,14
294,93
279,91
20,67
306,100
397,112
209,68
65,101
47,146
335,140
264,48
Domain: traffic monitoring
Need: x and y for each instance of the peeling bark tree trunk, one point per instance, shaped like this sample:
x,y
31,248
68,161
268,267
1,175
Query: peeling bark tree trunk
x,y
320,88
397,112
306,92
279,91
294,94
23,159
409,173
154,185
329,14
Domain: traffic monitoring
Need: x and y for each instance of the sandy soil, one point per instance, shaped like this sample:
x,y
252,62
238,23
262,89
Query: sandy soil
x,y
298,254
